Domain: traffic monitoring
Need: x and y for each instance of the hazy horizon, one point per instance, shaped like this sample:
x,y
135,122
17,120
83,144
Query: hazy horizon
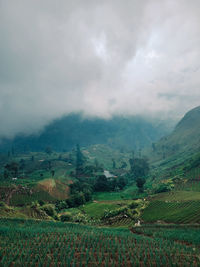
x,y
100,58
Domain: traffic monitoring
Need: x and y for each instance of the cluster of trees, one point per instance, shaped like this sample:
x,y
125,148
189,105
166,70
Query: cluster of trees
x,y
11,169
81,192
112,184
88,182
139,171
75,200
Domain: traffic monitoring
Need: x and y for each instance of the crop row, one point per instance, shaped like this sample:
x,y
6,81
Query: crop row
x,y
189,235
190,185
194,174
175,211
57,244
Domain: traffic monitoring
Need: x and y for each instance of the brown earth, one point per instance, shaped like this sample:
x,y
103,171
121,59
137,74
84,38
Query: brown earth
x,y
55,188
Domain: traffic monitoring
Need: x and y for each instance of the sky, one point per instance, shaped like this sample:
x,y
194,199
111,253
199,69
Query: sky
x,y
98,57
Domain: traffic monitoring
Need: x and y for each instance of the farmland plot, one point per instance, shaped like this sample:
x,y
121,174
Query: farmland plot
x,y
35,243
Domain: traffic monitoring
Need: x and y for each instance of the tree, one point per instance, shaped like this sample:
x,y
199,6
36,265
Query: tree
x,y
96,163
139,167
121,183
49,165
76,200
139,171
113,164
79,160
124,165
65,217
48,150
13,167
140,181
101,184
22,164
76,187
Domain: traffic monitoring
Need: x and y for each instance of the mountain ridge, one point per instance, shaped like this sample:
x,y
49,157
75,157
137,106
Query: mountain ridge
x,y
131,133
185,138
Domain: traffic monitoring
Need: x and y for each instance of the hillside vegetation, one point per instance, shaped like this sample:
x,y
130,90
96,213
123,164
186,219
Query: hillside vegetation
x,y
103,185
184,140
126,133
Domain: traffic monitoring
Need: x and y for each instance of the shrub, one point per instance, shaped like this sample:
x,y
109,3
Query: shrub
x,y
113,213
2,204
49,209
133,205
65,217
162,188
80,218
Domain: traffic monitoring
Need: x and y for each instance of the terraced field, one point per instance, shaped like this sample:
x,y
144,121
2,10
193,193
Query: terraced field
x,y
190,185
177,196
172,212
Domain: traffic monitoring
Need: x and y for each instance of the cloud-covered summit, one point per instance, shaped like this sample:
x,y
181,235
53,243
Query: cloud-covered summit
x,y
99,57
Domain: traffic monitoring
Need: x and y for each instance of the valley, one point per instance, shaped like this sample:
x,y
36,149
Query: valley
x,y
98,194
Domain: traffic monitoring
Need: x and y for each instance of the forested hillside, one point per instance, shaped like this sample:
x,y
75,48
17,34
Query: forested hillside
x,y
132,133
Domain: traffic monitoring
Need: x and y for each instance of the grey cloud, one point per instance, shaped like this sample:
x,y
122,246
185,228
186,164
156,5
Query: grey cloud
x,y
98,57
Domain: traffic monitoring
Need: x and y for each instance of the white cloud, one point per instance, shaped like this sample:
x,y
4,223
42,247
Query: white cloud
x,y
100,57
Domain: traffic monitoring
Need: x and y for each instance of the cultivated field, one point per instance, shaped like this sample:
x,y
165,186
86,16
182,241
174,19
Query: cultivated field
x,y
36,243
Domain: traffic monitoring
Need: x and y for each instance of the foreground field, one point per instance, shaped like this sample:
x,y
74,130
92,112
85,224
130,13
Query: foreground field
x,y
35,243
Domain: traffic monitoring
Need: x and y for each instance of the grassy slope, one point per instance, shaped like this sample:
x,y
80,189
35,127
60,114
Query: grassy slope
x,y
183,141
24,213
104,155
96,210
129,192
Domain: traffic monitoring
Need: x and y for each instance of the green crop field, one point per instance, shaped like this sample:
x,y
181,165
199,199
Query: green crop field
x,y
129,192
173,212
96,210
189,235
190,185
178,196
36,243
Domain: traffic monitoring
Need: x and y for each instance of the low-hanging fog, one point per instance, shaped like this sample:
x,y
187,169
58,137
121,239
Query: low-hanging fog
x,y
97,57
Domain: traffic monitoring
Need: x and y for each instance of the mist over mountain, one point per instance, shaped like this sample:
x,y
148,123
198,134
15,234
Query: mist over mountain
x,y
184,139
101,58
131,133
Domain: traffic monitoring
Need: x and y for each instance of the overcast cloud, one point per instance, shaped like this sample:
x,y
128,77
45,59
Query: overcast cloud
x,y
101,57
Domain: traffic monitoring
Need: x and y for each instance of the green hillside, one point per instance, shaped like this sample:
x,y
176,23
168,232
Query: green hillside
x,y
184,140
72,186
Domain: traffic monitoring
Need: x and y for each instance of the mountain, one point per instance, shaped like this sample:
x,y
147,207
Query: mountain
x,y
131,133
185,139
